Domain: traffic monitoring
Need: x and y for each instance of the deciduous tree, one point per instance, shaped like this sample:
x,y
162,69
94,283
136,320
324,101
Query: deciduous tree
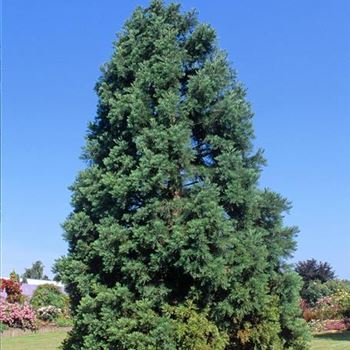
x,y
36,271
312,270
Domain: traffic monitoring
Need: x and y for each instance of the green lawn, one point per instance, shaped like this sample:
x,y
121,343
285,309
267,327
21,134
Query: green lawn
x,y
333,341
43,341
51,341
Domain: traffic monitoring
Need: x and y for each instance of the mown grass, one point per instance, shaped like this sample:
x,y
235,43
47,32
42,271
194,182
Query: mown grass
x,y
35,341
331,341
52,340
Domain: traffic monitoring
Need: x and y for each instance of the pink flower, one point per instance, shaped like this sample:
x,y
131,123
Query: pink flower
x,y
17,315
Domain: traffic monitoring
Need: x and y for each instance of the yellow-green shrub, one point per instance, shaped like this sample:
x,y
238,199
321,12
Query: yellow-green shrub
x,y
342,299
193,330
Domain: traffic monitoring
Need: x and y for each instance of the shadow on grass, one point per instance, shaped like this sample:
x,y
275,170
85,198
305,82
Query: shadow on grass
x,y
345,336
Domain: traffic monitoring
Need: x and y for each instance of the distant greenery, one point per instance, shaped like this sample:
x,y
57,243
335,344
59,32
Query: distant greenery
x,y
48,294
36,271
315,290
62,321
14,276
325,299
318,280
312,270
3,327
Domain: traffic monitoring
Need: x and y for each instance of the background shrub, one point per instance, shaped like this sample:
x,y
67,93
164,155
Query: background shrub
x,y
314,291
49,295
13,289
48,313
316,326
62,321
326,308
336,325
342,299
335,286
3,327
17,315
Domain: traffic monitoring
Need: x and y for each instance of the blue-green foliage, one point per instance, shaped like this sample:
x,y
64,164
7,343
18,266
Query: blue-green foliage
x,y
168,219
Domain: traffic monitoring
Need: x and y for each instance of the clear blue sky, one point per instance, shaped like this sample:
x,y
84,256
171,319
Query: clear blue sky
x,y
293,56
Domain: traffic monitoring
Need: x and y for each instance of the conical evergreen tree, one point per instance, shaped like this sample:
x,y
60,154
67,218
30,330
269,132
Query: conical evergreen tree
x,y
172,245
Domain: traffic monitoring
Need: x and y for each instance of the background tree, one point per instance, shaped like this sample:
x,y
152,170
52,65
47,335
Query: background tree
x,y
316,276
311,270
14,276
36,271
168,214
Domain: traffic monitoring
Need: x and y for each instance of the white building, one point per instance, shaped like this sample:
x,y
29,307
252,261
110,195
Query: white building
x,y
35,282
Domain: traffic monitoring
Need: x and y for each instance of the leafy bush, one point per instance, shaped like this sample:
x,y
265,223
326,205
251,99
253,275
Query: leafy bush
x,y
334,306
265,331
3,327
48,313
342,298
12,289
329,312
63,321
14,276
193,330
316,326
49,295
313,291
338,285
326,308
309,314
140,327
17,315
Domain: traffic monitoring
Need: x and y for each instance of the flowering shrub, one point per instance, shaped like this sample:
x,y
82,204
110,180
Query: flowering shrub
x,y
48,313
342,298
326,308
12,289
308,312
309,315
337,325
17,315
303,304
316,326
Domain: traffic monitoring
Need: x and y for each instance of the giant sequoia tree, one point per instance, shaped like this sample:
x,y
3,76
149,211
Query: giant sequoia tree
x,y
172,245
